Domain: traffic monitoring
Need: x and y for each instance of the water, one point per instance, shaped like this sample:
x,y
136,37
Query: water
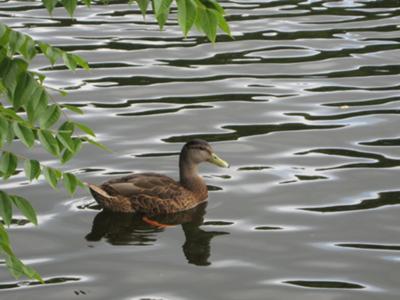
x,y
303,103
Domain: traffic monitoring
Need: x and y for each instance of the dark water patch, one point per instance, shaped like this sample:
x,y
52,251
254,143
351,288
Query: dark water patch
x,y
91,170
288,181
118,173
54,280
352,88
380,161
92,66
383,142
163,111
370,246
17,222
318,284
158,154
214,188
189,100
362,113
310,177
218,223
222,176
383,199
240,131
90,206
268,228
379,101
254,168
368,71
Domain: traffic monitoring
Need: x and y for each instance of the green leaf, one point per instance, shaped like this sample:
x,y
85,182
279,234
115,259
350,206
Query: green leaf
x,y
5,208
69,61
3,130
49,142
14,265
50,4
52,176
8,164
3,32
143,4
223,24
17,268
3,235
70,6
80,61
10,135
73,108
186,14
66,140
52,53
25,134
50,116
161,10
10,71
32,169
37,105
207,20
26,208
70,182
27,49
15,40
97,144
67,155
26,86
212,4
67,126
85,129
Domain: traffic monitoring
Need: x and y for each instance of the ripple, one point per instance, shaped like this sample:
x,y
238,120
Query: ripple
x,y
370,246
268,228
163,111
240,131
383,199
383,142
50,281
318,284
378,101
346,115
380,161
188,100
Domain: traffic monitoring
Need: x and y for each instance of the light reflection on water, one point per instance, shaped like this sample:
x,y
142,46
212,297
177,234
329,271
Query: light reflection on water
x,y
303,103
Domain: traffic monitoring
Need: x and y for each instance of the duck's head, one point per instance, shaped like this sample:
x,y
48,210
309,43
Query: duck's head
x,y
198,151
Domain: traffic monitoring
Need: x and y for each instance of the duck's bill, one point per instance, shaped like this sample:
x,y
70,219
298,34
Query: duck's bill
x,y
218,161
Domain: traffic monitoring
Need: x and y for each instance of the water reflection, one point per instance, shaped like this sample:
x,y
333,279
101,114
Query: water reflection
x,y
130,229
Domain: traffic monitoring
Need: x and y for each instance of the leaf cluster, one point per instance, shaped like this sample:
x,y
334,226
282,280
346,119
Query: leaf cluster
x,y
29,115
206,15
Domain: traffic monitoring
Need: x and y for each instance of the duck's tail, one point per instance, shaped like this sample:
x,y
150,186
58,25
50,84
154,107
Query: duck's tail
x,y
100,195
109,202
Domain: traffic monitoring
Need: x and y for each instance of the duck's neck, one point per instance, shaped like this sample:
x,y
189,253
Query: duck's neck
x,y
190,179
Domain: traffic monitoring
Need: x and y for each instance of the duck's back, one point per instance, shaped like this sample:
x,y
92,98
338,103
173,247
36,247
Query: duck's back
x,y
148,193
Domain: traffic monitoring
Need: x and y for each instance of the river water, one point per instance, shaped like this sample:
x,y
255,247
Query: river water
x,y
303,102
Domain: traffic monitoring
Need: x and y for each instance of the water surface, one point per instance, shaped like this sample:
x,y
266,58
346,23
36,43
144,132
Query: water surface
x,y
303,103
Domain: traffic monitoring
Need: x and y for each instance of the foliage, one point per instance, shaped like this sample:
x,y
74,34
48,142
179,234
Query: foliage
x,y
30,117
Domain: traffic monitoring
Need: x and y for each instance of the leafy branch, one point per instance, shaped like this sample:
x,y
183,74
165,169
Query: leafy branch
x,y
30,116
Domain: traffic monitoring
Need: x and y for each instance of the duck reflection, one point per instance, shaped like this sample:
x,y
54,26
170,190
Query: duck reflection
x,y
128,229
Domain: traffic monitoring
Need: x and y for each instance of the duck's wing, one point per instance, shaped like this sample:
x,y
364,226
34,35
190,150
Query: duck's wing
x,y
150,184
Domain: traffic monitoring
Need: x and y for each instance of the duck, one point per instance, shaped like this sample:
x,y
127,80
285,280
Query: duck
x,y
156,194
